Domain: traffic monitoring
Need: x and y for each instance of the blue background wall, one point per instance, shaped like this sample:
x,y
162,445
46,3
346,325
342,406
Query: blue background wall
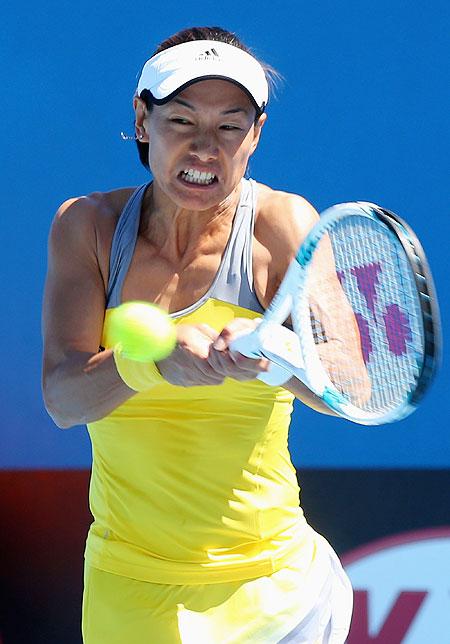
x,y
362,114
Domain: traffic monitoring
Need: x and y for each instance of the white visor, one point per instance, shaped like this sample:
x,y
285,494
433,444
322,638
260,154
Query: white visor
x,y
174,69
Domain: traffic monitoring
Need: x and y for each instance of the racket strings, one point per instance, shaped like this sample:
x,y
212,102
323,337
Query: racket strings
x,y
317,329
368,331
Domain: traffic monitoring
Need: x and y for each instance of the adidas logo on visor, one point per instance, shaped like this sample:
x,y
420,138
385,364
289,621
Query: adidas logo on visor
x,y
209,54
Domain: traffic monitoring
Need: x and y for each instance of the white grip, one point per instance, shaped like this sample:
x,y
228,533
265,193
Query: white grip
x,y
276,376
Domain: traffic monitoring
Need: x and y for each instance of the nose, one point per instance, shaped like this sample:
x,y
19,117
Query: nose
x,y
204,145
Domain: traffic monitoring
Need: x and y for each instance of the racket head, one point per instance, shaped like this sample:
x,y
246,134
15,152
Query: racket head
x,y
383,277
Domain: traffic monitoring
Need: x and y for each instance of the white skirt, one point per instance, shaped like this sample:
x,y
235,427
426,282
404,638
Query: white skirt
x,y
293,605
308,602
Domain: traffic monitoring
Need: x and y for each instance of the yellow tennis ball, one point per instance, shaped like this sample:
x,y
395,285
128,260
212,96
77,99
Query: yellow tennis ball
x,y
140,331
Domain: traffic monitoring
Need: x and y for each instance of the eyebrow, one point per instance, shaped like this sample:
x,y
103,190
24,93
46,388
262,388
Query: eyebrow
x,y
233,110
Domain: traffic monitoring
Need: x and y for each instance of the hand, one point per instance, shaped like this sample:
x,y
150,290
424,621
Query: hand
x,y
197,361
188,365
231,363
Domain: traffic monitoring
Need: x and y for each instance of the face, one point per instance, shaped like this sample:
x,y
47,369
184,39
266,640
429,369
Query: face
x,y
200,142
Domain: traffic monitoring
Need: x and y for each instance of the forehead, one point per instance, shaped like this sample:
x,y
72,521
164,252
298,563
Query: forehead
x,y
214,93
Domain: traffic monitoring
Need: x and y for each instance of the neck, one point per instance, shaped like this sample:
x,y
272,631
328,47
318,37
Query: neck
x,y
177,232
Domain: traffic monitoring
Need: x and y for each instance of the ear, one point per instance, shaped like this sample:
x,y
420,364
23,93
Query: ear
x,y
258,126
141,113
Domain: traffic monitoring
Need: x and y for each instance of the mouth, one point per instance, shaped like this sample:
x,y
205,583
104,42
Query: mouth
x,y
198,178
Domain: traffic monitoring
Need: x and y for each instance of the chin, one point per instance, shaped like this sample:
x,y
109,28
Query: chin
x,y
198,197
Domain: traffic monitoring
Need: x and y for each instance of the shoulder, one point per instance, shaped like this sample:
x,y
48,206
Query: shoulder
x,y
82,230
89,220
97,208
283,218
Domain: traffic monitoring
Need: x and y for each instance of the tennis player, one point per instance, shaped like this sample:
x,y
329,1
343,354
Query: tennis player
x,y
197,534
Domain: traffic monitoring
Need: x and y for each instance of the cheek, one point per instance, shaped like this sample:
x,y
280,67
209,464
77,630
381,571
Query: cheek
x,y
244,151
248,142
165,144
158,153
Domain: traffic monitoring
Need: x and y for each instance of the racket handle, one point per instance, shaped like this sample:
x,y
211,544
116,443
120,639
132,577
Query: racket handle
x,y
276,376
278,344
248,343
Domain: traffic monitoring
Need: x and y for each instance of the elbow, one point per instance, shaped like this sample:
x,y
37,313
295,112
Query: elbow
x,y
66,413
61,419
366,395
56,408
360,392
62,423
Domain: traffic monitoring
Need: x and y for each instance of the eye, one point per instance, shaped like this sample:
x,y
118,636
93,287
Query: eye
x,y
229,128
179,120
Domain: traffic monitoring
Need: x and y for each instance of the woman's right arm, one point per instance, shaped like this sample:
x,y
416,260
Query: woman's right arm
x,y
80,384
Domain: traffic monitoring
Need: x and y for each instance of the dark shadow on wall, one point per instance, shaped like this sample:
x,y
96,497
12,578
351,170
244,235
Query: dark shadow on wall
x,y
44,521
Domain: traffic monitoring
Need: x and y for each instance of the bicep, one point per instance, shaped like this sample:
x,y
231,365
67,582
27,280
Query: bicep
x,y
335,327
328,301
74,295
281,229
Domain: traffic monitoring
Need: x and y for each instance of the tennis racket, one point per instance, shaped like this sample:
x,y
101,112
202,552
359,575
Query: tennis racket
x,y
364,314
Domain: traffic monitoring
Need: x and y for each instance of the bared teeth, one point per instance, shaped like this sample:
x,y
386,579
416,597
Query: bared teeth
x,y
195,176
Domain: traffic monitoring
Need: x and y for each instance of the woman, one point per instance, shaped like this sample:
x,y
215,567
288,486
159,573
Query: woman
x,y
197,535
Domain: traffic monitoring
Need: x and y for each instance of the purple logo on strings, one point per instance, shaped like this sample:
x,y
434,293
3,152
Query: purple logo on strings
x,y
394,320
364,334
398,331
367,280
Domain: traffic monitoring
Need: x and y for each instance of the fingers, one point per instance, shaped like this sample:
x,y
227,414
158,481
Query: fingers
x,y
236,366
208,331
187,367
188,364
196,338
202,357
232,363
232,329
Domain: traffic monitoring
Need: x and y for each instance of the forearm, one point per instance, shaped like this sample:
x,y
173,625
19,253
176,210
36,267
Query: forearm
x,y
303,393
83,388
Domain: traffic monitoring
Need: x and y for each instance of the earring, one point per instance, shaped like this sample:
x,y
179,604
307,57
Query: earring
x,y
127,137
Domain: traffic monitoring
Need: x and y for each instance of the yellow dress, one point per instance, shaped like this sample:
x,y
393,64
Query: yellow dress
x,y
198,535
195,485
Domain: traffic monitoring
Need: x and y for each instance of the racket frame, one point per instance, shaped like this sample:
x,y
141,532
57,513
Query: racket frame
x,y
427,299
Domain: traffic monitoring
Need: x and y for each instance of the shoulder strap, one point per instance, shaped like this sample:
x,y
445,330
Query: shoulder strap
x,y
234,283
123,245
